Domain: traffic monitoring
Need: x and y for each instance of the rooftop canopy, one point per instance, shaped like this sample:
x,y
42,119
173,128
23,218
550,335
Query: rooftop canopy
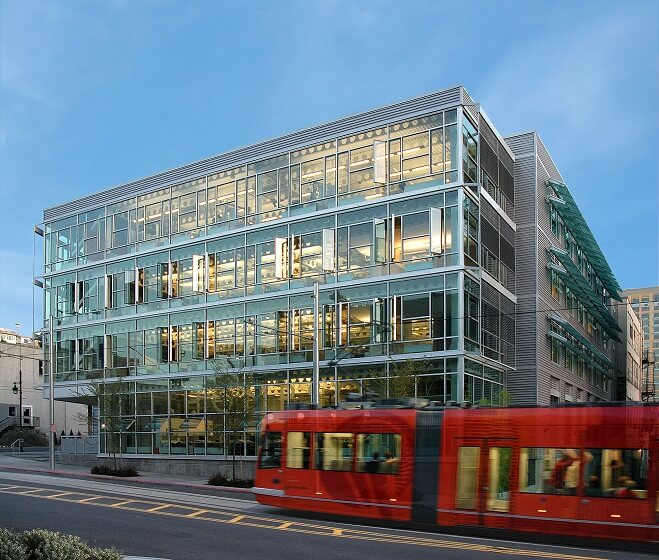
x,y
571,215
573,278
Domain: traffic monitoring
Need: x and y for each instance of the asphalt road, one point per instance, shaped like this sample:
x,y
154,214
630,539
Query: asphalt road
x,y
183,526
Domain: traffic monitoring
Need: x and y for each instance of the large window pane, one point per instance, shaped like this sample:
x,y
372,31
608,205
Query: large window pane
x,y
498,494
378,453
333,451
549,471
298,448
270,450
618,473
467,491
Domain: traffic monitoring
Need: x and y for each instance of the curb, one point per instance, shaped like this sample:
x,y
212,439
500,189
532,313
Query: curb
x,y
136,480
142,558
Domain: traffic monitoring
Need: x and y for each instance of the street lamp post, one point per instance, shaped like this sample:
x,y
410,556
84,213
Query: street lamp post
x,y
20,389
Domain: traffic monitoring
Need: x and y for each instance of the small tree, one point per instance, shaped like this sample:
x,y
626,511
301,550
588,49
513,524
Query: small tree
x,y
111,399
400,382
402,378
229,394
501,398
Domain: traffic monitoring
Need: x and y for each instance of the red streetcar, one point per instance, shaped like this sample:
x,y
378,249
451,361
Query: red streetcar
x,y
583,470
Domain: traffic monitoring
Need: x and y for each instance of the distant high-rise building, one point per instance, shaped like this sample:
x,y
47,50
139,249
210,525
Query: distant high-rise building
x,y
645,301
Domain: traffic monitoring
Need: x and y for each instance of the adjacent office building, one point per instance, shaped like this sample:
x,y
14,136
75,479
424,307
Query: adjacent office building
x,y
645,302
567,295
22,399
630,382
426,231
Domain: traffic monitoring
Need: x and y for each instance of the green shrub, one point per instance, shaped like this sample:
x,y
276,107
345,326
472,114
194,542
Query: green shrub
x,y
11,547
109,470
31,437
39,544
220,479
46,545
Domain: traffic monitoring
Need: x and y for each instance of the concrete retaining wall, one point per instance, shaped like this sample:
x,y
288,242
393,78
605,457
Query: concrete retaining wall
x,y
201,468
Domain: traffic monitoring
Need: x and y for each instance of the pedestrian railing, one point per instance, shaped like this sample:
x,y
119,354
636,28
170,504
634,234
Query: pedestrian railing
x,y
18,442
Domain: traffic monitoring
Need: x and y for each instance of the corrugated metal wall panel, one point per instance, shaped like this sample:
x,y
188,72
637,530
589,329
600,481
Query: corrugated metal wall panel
x,y
522,383
522,143
335,129
547,162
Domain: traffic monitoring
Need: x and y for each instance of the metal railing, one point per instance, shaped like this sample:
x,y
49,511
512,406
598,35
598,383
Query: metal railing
x,y
76,445
19,441
6,422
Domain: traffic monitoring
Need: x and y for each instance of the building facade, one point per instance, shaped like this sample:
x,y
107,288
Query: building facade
x,y
645,302
404,216
629,355
24,362
566,328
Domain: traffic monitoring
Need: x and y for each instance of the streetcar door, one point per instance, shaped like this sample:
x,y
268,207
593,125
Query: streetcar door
x,y
484,480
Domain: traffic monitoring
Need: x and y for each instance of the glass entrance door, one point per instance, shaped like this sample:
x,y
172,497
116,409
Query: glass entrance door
x,y
484,478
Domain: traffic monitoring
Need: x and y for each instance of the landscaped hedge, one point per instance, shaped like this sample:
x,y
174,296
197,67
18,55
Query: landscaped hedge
x,y
221,479
109,470
39,544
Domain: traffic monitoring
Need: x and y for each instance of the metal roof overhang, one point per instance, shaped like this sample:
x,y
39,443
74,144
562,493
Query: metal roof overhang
x,y
571,215
581,339
578,284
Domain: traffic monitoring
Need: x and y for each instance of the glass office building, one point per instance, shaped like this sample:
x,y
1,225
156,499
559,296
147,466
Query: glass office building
x,y
403,215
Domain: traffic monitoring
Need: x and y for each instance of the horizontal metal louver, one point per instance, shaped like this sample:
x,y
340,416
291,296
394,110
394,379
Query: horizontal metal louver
x,y
507,183
507,254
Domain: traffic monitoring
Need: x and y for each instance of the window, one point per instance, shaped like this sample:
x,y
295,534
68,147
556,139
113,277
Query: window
x,y
498,493
298,450
270,457
333,451
616,473
467,488
549,471
469,151
378,453
470,233
555,292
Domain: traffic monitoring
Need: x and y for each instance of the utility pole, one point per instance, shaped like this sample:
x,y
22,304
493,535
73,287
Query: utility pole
x,y
315,391
20,388
51,392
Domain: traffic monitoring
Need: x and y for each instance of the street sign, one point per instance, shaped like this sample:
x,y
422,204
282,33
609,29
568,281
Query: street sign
x,y
53,428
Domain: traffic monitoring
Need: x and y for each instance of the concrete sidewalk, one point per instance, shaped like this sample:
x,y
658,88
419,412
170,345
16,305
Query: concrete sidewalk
x,y
15,463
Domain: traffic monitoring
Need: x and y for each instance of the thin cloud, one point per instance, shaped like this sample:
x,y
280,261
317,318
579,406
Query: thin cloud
x,y
16,289
575,82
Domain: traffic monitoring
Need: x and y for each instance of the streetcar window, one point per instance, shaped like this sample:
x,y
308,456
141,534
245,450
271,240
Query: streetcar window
x,y
298,448
333,451
270,457
549,471
378,453
468,459
616,473
498,489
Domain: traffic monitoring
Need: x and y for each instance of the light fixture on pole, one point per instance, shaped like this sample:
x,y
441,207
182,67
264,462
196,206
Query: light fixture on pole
x,y
20,388
14,389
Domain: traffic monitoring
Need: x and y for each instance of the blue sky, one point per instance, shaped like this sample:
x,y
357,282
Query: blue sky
x,y
94,94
